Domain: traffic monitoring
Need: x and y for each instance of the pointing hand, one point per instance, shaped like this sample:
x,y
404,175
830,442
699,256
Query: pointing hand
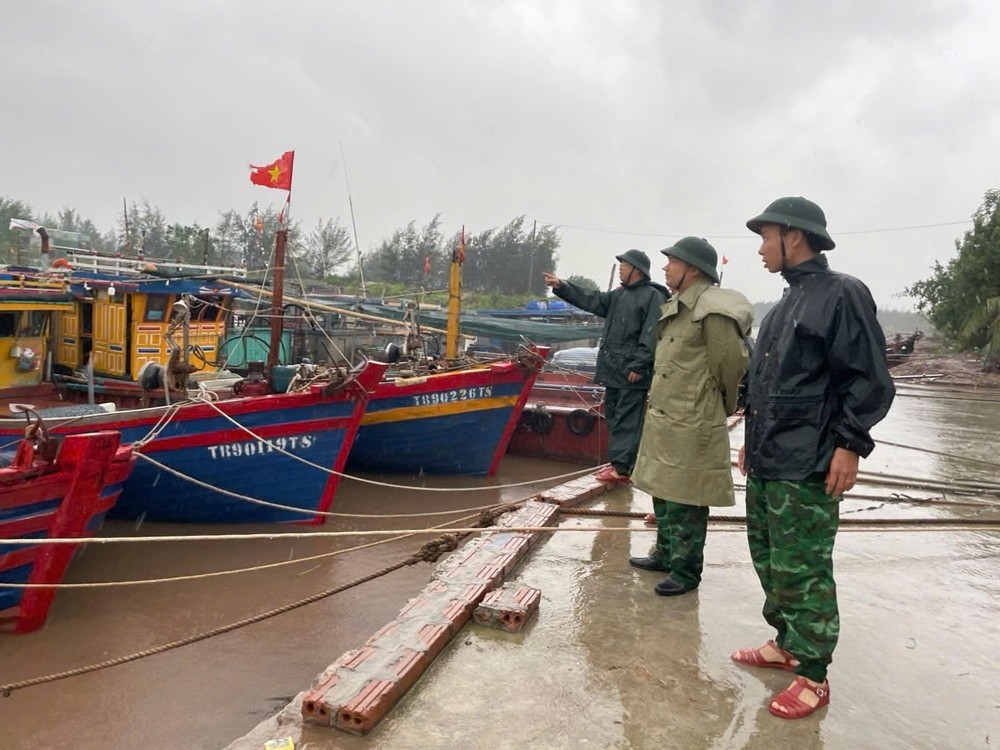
x,y
552,280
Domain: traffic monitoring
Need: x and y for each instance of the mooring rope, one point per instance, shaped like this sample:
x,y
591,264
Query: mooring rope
x,y
487,512
972,459
430,551
6,690
955,486
202,576
161,424
742,519
332,514
984,523
376,483
941,397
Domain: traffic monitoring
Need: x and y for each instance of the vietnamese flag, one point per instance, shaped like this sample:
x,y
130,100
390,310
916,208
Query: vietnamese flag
x,y
278,174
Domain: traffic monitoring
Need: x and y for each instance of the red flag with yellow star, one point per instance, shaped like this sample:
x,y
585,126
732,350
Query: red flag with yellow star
x,y
278,174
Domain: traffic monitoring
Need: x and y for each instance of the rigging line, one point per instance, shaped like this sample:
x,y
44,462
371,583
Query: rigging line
x,y
308,308
719,236
390,485
413,294
256,312
311,317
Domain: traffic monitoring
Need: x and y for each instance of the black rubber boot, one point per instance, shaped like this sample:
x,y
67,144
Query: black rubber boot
x,y
651,562
669,586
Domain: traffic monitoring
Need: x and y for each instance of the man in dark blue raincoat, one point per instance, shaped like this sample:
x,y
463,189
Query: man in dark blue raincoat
x,y
818,383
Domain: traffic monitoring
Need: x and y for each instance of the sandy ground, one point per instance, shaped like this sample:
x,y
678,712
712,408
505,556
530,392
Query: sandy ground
x,y
932,357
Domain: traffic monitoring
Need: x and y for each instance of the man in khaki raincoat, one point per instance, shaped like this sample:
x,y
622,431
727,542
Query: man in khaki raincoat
x,y
684,456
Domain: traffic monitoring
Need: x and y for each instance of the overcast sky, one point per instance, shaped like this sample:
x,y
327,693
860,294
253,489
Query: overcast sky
x,y
625,121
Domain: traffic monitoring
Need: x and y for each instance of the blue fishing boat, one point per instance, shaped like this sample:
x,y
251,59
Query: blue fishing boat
x,y
256,459
445,423
235,454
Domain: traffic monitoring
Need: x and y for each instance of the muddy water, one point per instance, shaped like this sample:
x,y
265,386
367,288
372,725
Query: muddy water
x,y
204,695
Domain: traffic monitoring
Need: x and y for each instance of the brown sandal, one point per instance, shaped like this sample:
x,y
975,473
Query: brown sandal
x,y
752,657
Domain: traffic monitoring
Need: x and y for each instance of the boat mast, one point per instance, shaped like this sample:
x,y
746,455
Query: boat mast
x,y
277,175
354,224
280,239
128,238
455,298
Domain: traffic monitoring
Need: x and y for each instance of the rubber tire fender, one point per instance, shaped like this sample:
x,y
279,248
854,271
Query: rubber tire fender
x,y
580,422
542,422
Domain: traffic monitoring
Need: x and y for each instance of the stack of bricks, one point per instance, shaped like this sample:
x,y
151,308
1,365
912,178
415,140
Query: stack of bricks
x,y
359,689
571,494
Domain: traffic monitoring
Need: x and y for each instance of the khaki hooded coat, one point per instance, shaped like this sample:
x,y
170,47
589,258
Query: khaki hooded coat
x,y
700,359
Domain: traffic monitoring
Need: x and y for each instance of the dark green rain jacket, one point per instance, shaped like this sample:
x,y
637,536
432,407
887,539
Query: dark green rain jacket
x,y
628,344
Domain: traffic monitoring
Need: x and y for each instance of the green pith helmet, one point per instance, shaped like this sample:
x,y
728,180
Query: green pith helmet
x,y
795,213
697,252
635,258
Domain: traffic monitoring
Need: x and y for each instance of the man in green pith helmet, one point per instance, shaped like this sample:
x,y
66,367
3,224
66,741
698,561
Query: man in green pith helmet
x,y
684,457
818,383
625,359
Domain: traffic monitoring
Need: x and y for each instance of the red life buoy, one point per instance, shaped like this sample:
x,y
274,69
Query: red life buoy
x,y
61,263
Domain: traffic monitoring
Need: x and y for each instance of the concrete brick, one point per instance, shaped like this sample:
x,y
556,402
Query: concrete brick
x,y
578,491
508,607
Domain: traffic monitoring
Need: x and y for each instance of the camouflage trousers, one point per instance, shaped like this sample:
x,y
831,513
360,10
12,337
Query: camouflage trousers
x,y
680,539
624,410
791,527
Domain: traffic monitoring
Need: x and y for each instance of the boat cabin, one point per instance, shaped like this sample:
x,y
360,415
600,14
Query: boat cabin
x,y
120,324
28,307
